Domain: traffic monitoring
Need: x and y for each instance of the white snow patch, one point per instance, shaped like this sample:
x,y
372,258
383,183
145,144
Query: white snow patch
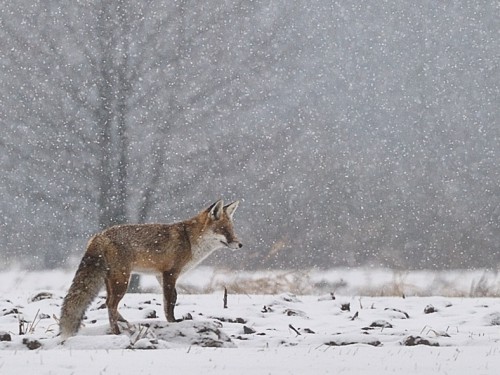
x,y
273,334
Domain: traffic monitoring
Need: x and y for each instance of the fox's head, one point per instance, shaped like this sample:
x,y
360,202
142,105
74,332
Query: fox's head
x,y
219,229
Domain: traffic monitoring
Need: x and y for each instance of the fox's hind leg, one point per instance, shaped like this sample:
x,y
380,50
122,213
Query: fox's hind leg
x,y
116,286
169,295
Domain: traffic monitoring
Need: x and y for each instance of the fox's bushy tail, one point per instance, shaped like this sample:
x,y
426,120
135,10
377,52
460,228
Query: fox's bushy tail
x,y
88,280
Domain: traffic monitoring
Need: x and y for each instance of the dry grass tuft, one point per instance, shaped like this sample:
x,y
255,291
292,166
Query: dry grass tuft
x,y
378,283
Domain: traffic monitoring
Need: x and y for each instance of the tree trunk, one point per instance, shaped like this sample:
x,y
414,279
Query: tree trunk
x,y
111,117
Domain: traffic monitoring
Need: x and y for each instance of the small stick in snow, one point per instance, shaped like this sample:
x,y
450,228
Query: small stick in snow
x,y
225,297
21,321
294,329
32,326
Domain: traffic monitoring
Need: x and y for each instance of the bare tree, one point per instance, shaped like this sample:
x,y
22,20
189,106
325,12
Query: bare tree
x,y
127,91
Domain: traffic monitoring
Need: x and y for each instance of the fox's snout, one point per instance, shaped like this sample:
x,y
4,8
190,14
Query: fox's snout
x,y
232,244
235,245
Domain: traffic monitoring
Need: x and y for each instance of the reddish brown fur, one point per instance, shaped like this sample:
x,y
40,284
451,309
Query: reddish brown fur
x,y
164,249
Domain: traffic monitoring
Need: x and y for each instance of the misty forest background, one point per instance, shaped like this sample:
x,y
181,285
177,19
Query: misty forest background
x,y
353,132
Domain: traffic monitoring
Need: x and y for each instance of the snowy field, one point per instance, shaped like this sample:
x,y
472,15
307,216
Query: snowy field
x,y
336,322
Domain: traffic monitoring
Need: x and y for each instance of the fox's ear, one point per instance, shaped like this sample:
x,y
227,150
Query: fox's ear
x,y
230,208
216,209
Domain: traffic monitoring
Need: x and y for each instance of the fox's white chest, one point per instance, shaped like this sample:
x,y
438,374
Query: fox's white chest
x,y
201,251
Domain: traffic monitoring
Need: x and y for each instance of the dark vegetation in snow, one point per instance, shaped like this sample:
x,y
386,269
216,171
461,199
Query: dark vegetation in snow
x,y
286,321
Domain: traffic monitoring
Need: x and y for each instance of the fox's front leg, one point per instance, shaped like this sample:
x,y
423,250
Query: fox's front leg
x,y
169,295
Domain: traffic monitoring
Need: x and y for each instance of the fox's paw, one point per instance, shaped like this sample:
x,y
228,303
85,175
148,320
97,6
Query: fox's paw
x,y
123,326
122,319
187,316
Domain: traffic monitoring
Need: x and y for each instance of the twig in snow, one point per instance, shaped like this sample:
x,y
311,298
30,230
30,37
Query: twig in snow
x,y
294,329
21,321
34,323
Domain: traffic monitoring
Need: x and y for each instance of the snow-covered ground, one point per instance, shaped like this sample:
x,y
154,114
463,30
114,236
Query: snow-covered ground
x,y
319,332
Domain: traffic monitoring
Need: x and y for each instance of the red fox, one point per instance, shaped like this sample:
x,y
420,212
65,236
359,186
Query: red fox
x,y
163,249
